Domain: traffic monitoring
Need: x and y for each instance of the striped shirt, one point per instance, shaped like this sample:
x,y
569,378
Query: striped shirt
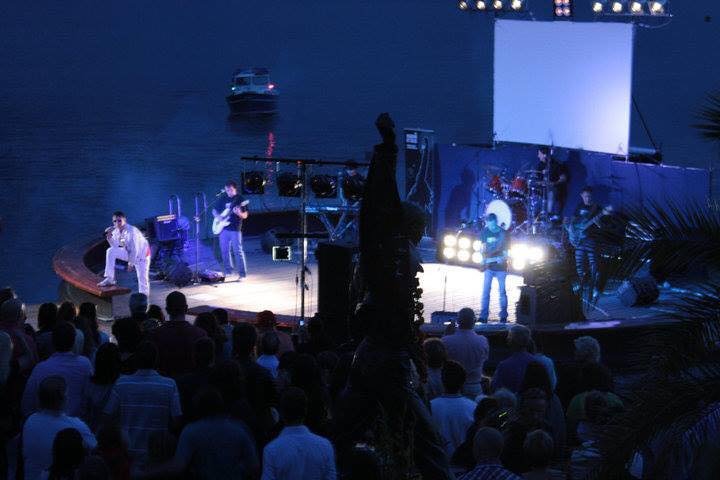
x,y
144,402
489,470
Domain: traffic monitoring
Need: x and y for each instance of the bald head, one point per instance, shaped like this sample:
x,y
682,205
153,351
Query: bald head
x,y
488,443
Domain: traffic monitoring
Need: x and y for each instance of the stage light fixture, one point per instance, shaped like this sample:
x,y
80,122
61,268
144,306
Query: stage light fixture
x,y
450,240
477,257
598,6
463,5
498,5
481,5
563,8
353,187
657,7
324,186
449,253
253,182
617,7
519,264
463,255
516,5
477,245
289,185
464,243
636,8
524,254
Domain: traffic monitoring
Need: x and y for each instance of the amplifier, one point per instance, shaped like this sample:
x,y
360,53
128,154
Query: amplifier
x,y
166,228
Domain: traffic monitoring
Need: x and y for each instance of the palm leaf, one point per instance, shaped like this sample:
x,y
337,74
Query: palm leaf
x,y
709,117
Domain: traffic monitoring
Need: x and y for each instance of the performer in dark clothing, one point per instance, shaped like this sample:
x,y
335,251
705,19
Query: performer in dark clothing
x,y
556,176
586,248
495,241
231,241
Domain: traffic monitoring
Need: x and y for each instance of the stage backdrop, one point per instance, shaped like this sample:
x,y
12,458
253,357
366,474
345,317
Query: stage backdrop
x,y
563,83
464,171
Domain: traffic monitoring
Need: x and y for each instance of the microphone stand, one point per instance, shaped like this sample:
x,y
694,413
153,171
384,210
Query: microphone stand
x,y
197,197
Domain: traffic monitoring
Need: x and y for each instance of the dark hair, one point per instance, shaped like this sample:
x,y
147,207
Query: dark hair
x,y
156,312
51,393
306,373
538,449
536,376
208,402
435,352
269,343
89,344
88,310
68,454
119,214
47,316
491,217
231,183
453,377
208,322
293,405
484,407
586,188
63,337
316,327
146,355
596,376
244,339
466,317
265,319
229,379
176,303
6,293
287,360
221,315
203,352
67,312
596,407
107,364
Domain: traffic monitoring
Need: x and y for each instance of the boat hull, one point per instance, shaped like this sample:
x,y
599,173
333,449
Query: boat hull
x,y
252,104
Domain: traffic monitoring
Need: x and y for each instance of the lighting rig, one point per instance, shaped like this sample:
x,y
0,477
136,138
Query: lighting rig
x,y
637,8
493,6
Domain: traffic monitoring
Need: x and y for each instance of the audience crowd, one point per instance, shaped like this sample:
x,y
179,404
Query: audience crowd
x,y
164,397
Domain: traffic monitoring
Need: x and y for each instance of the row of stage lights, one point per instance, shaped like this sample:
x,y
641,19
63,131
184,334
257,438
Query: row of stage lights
x,y
633,7
492,5
290,185
465,249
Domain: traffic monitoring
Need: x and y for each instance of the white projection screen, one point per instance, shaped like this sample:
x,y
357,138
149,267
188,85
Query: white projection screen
x,y
563,83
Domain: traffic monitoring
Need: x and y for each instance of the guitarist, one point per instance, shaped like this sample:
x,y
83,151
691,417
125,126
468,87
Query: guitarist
x,y
586,248
495,241
231,242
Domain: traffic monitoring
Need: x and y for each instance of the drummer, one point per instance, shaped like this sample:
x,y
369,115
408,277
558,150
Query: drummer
x,y
556,175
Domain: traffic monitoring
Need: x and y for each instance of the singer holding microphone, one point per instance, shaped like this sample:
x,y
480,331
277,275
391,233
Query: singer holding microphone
x,y
129,244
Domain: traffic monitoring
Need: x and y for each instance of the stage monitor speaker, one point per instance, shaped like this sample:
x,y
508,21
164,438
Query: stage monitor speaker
x,y
269,239
638,291
167,228
335,271
179,274
547,305
442,317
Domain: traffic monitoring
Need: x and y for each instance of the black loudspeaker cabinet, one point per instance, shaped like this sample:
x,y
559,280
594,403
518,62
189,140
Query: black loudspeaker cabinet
x,y
548,305
638,291
167,228
336,264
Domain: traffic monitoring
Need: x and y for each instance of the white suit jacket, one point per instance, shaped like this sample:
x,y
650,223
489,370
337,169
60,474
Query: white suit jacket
x,y
132,239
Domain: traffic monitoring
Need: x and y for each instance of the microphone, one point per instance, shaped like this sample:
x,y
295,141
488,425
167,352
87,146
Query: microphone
x,y
220,192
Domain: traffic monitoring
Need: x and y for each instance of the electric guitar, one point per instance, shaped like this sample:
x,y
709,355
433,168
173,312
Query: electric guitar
x,y
223,219
490,261
576,231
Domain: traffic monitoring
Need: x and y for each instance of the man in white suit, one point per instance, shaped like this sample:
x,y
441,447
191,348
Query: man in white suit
x,y
129,244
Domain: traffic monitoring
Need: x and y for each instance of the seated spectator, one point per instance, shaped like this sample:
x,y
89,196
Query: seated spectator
x,y
306,375
46,320
88,311
98,389
68,453
537,350
24,352
266,321
93,468
470,350
436,355
530,416
318,340
488,448
570,381
586,457
75,369
221,315
285,365
510,372
269,347
536,376
505,398
112,448
89,345
128,334
144,402
214,446
595,377
297,453
68,312
539,449
207,322
463,455
156,317
452,412
40,429
175,338
327,360
191,383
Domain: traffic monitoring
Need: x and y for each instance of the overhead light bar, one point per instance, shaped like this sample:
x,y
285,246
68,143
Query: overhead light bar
x,y
460,248
493,6
633,8
563,9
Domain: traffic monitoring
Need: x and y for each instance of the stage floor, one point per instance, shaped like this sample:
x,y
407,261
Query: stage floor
x,y
275,286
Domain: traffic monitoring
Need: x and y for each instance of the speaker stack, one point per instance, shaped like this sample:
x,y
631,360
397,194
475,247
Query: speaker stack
x,y
638,291
336,265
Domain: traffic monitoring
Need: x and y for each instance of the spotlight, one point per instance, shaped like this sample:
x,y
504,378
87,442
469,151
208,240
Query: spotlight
x,y
480,5
477,257
563,8
617,7
636,8
289,185
536,254
519,264
498,4
657,7
353,187
463,255
477,245
253,182
598,6
516,5
463,5
464,243
450,240
324,186
448,252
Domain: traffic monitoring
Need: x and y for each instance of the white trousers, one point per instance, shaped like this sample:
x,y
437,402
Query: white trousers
x,y
142,268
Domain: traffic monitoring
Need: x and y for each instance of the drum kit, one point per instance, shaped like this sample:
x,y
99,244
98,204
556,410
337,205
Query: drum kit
x,y
519,202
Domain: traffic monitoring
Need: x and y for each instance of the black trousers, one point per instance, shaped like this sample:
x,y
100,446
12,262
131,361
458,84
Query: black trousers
x,y
586,262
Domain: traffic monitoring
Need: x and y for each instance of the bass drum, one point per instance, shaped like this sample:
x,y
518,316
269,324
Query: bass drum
x,y
510,213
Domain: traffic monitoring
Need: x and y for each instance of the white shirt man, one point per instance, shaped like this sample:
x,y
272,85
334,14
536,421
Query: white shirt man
x,y
129,244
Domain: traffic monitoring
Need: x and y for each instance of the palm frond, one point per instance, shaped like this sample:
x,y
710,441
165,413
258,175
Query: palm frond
x,y
709,117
